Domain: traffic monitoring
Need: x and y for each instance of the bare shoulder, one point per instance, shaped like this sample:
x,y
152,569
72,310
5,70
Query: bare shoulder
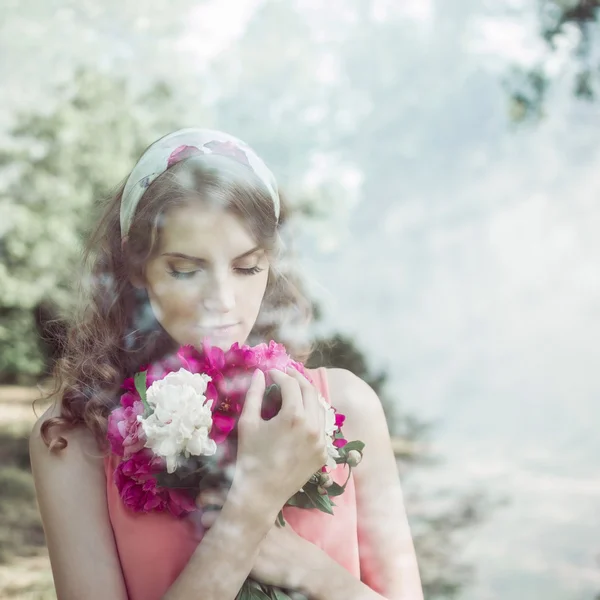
x,y
70,486
80,441
352,394
81,460
388,561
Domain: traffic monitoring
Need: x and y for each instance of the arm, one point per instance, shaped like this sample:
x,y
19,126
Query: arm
x,y
387,557
71,491
224,558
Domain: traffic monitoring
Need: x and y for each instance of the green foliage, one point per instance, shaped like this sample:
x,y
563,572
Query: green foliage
x,y
528,89
140,386
340,351
58,164
21,530
555,14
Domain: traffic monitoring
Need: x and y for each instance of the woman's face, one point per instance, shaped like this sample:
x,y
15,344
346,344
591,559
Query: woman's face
x,y
208,277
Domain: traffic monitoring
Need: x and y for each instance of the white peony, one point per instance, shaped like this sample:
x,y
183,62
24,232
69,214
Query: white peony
x,y
181,419
330,429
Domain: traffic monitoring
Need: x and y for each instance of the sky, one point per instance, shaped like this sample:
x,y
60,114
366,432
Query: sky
x,y
478,292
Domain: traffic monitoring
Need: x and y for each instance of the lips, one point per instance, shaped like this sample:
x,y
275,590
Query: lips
x,y
219,329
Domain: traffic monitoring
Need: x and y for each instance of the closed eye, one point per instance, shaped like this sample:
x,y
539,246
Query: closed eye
x,y
249,271
182,274
189,274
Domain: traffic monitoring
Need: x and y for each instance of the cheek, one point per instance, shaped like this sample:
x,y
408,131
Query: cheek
x,y
172,299
254,293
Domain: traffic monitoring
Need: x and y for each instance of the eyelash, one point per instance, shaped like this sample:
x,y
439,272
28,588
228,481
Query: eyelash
x,y
189,274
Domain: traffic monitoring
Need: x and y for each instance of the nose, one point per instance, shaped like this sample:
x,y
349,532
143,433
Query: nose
x,y
219,296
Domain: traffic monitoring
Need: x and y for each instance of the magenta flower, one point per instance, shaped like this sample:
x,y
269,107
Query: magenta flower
x,y
125,434
223,425
140,492
230,372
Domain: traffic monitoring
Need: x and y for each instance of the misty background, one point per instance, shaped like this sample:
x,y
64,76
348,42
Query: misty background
x,y
450,166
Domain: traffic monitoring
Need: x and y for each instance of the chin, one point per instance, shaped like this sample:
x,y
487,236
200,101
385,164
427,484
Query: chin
x,y
222,342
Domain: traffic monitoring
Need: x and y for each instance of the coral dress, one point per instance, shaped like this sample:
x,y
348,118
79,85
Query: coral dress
x,y
155,547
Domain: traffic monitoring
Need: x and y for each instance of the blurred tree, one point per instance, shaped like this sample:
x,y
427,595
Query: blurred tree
x,y
53,168
528,88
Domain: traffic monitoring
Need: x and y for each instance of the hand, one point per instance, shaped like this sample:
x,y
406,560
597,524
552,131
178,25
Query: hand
x,y
287,560
280,455
284,559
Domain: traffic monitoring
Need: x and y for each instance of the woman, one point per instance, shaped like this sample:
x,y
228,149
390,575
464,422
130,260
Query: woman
x,y
190,248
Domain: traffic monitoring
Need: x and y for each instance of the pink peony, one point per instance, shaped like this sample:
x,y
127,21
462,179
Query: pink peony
x,y
125,434
223,425
140,492
230,373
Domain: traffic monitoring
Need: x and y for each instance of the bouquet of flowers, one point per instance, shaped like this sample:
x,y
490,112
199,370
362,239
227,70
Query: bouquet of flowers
x,y
175,432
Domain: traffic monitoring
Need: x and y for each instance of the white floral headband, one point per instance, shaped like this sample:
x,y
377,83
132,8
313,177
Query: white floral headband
x,y
178,146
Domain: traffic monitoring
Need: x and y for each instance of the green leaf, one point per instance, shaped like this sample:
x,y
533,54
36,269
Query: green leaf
x,y
249,592
301,500
280,519
335,489
253,584
355,445
278,594
255,591
244,593
321,502
140,385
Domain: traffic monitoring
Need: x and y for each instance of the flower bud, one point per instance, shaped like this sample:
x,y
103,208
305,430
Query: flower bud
x,y
325,480
354,458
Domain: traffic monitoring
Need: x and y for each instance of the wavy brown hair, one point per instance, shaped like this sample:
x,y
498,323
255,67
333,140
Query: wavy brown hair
x,y
115,331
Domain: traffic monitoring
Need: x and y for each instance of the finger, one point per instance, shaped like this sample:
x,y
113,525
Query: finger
x,y
292,405
210,497
310,399
306,387
254,398
208,518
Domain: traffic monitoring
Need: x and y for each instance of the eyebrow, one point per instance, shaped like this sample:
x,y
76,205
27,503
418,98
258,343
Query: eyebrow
x,y
203,261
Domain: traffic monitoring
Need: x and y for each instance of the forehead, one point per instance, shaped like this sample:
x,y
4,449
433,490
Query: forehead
x,y
199,230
